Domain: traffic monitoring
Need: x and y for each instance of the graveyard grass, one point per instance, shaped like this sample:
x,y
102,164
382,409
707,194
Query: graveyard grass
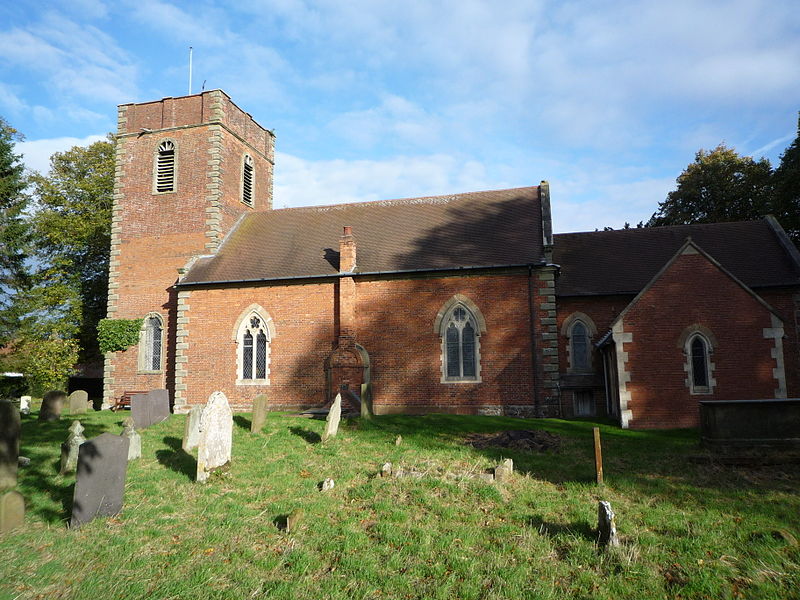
x,y
688,530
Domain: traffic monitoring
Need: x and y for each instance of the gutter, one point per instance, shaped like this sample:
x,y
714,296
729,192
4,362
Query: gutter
x,y
366,274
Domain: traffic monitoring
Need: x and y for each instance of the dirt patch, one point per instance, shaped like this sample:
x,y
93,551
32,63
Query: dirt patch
x,y
528,440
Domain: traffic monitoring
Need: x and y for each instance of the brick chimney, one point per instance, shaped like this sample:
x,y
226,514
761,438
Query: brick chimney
x,y
347,251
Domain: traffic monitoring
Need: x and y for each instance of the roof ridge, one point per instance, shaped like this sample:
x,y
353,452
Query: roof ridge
x,y
661,227
441,199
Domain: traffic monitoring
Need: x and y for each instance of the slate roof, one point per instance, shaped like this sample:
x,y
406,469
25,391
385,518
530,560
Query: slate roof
x,y
492,228
624,261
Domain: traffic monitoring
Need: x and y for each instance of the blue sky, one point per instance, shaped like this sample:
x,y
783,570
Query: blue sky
x,y
608,101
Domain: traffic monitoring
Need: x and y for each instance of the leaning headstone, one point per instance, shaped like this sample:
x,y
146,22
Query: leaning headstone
x,y
129,431
12,511
25,405
328,484
606,527
332,422
150,408
216,436
52,405
70,448
100,479
9,444
78,402
260,409
191,431
503,471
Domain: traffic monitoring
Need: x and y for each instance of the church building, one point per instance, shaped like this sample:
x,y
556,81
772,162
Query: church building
x,y
466,303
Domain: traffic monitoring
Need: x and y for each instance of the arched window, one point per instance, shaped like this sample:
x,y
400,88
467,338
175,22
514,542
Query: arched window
x,y
254,347
165,167
247,180
698,358
580,348
151,343
460,330
698,343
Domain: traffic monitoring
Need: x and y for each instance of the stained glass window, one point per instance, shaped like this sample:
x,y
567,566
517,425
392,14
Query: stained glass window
x,y
461,354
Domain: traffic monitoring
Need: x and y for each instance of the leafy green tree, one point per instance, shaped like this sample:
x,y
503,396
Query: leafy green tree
x,y
48,363
13,231
71,227
718,186
786,180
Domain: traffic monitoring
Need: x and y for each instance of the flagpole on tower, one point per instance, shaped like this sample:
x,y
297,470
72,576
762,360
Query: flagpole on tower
x,y
190,70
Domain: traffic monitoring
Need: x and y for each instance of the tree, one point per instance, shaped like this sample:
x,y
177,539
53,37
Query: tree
x,y
71,226
718,186
786,181
13,231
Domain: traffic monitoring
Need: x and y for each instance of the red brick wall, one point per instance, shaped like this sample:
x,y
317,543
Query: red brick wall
x,y
693,290
786,302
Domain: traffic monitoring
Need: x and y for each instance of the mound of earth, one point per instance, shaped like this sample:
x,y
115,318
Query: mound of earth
x,y
530,440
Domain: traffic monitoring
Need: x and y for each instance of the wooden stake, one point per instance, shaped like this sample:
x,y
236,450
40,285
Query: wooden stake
x,y
598,456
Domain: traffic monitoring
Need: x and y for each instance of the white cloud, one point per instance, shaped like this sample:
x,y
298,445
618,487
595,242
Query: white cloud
x,y
36,154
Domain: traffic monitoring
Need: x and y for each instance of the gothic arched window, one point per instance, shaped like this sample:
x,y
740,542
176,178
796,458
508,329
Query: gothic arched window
x,y
580,354
254,349
165,167
460,345
698,359
151,343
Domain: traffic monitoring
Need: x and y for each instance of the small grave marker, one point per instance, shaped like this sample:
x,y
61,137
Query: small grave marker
x,y
129,431
52,405
260,408
293,520
332,422
12,511
78,402
70,448
216,436
398,440
191,431
100,479
328,484
25,405
606,526
504,471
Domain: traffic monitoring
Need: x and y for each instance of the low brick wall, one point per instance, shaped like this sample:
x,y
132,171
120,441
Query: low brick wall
x,y
751,422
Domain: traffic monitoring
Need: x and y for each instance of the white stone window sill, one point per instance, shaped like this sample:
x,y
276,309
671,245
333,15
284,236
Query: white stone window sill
x,y
146,372
252,382
460,381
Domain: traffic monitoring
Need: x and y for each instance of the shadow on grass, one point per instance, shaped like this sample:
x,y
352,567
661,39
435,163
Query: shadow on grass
x,y
242,422
176,458
280,522
580,529
312,437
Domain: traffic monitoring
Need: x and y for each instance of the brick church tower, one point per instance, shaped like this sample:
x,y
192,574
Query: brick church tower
x,y
186,170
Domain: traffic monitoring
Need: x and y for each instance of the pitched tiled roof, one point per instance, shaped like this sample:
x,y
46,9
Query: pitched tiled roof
x,y
624,261
493,228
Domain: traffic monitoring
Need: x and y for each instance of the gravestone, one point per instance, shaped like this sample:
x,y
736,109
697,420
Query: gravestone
x,y
100,480
9,444
52,405
504,470
191,431
70,448
606,526
25,405
293,520
328,484
332,422
12,511
150,408
78,402
129,431
386,469
398,440
260,408
216,436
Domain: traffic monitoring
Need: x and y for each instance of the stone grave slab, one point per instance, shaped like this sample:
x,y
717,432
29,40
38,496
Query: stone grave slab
x,y
129,431
78,402
334,417
70,448
191,430
216,436
25,405
12,511
100,479
9,444
52,405
260,408
150,408
159,405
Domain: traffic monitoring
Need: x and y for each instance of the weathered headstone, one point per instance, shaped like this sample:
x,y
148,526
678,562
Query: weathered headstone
x,y
129,431
25,405
328,484
504,470
100,480
9,444
260,408
366,401
70,448
191,431
293,520
52,405
398,440
12,511
216,436
606,527
150,408
78,402
386,469
332,422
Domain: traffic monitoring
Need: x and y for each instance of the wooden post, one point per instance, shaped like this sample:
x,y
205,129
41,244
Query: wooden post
x,y
598,456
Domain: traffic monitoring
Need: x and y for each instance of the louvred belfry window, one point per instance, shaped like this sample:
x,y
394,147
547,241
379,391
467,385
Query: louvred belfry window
x,y
247,180
254,349
460,345
165,167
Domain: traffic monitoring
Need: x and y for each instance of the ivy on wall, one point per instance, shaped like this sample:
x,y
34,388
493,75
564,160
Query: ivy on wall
x,y
114,335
